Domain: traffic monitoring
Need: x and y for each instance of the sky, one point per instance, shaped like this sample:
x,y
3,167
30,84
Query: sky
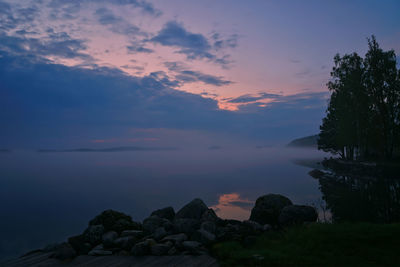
x,y
90,73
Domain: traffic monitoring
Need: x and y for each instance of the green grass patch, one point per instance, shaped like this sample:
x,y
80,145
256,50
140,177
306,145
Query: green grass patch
x,y
342,244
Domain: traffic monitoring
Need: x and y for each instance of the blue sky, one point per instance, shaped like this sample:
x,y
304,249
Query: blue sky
x,y
132,72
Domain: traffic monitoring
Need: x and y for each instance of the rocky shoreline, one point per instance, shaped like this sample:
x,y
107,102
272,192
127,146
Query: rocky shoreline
x,y
190,231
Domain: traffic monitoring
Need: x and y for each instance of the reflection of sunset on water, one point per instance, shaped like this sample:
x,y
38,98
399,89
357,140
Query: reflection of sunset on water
x,y
232,206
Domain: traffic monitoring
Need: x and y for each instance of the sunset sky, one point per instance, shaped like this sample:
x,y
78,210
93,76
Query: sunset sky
x,y
90,72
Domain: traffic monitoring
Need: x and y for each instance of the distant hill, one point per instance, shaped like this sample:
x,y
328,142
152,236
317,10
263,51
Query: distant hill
x,y
308,141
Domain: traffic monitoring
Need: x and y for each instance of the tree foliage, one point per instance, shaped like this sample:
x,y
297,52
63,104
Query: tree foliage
x,y
363,115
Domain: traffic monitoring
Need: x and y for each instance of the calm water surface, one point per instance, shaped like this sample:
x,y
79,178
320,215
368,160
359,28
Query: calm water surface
x,y
46,197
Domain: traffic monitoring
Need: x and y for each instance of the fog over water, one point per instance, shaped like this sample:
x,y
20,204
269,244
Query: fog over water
x,y
46,197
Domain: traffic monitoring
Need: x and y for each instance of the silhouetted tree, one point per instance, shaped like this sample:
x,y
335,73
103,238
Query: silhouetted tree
x,y
363,115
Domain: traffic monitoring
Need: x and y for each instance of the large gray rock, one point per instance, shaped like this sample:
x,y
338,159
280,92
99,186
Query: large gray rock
x,y
204,237
79,244
64,252
141,249
159,249
268,208
297,214
209,226
210,215
94,233
192,210
159,233
108,239
125,242
178,238
115,221
99,251
135,233
166,213
187,226
151,223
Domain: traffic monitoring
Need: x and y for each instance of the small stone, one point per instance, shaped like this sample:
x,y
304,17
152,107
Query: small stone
x,y
172,251
99,251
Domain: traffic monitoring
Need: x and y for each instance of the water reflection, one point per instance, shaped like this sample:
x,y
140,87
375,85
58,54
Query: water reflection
x,y
351,197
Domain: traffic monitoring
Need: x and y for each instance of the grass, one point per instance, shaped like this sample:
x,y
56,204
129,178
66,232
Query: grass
x,y
342,244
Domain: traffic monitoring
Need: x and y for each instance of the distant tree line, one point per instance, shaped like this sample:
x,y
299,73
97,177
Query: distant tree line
x,y
363,116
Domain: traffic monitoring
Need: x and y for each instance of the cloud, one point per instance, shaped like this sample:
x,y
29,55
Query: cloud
x,y
247,98
135,48
116,24
184,75
192,45
68,9
55,44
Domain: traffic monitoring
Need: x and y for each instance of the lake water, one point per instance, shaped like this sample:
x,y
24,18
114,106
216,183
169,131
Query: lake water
x,y
46,197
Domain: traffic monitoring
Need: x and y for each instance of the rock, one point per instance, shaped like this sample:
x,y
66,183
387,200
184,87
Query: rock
x,y
297,214
64,252
204,237
159,249
159,233
135,233
208,226
187,226
192,247
268,208
79,245
172,251
178,238
192,210
165,213
94,233
115,221
316,173
267,227
254,226
126,242
209,215
151,223
108,239
141,249
99,251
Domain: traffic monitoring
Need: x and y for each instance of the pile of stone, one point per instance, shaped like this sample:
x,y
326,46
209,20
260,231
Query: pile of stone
x,y
189,231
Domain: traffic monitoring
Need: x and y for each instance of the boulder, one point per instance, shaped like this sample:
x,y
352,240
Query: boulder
x,y
192,210
187,226
126,242
151,223
210,215
94,233
178,238
252,226
135,233
165,213
108,239
115,221
316,173
141,249
160,249
159,233
268,208
99,251
297,214
208,226
64,252
204,237
192,247
79,244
